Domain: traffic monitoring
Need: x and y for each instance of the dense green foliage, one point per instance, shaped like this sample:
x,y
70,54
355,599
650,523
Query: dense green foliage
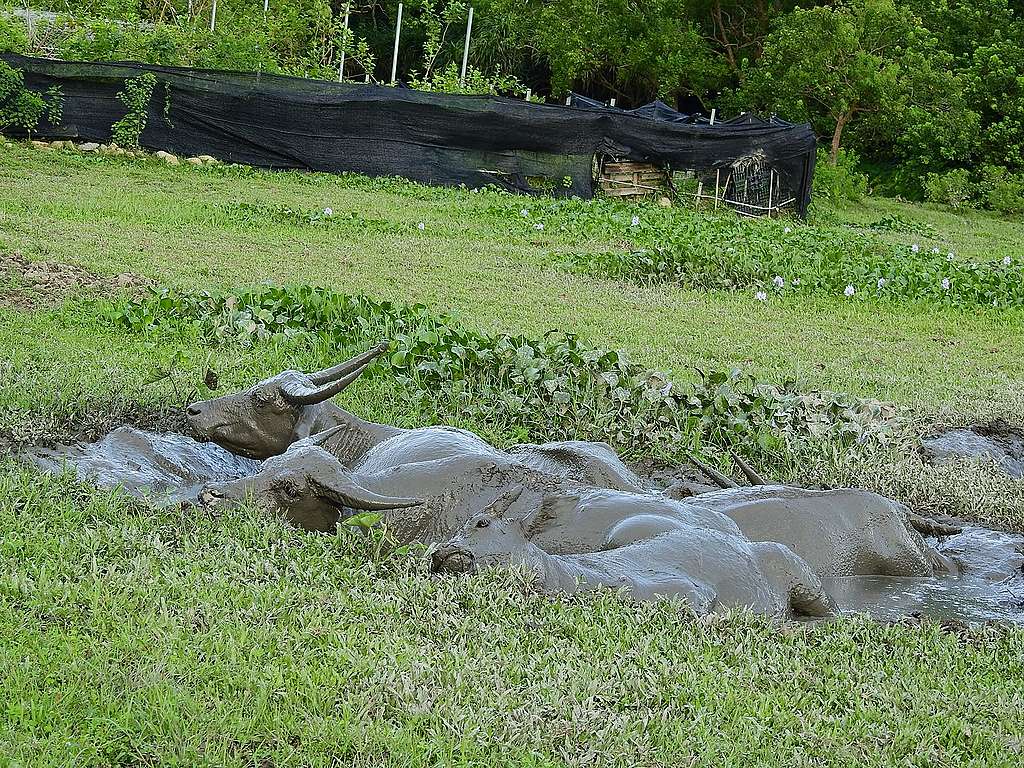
x,y
23,108
916,88
135,96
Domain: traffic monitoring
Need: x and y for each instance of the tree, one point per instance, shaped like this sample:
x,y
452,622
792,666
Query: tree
x,y
832,65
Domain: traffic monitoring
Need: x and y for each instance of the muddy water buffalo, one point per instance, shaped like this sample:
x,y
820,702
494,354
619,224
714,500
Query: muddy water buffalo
x,y
269,417
705,567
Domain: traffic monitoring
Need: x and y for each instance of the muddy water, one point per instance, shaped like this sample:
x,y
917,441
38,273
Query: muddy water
x,y
990,586
166,468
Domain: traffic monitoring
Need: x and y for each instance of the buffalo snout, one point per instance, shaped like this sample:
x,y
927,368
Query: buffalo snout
x,y
452,560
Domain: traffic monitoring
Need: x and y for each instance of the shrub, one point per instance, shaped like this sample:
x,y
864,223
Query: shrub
x,y
22,108
953,188
841,181
1003,191
135,96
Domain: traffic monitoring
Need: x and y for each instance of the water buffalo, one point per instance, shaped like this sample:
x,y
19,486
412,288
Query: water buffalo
x,y
705,567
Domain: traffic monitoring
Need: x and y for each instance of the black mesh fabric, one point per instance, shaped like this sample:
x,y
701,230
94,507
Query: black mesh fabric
x,y
275,121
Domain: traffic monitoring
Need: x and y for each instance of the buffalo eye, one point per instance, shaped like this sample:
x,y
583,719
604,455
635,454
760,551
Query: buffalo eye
x,y
483,523
289,491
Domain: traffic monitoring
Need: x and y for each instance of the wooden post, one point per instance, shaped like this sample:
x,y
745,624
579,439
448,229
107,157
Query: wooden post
x,y
700,194
398,34
718,177
771,187
213,16
713,116
465,50
344,42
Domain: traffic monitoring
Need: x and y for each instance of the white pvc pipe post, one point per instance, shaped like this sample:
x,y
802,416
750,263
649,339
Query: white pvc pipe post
x,y
612,102
213,16
529,91
398,34
344,39
465,50
266,7
712,117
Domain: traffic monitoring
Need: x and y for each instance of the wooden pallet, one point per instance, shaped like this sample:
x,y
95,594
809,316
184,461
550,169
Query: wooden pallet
x,y
628,179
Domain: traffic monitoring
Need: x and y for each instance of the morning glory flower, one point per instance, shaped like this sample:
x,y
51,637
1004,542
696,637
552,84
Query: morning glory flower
x,y
936,250
421,226
761,296
779,282
635,222
1007,260
538,226
525,213
796,281
849,291
951,255
787,230
945,283
915,248
328,212
881,282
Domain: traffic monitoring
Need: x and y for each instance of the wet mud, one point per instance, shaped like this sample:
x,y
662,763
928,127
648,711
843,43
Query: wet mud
x,y
998,443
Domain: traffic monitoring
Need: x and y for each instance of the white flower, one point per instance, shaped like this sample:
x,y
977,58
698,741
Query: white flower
x,y
787,230
328,212
915,248
945,283
538,226
525,213
761,296
779,282
1007,260
796,281
421,226
635,222
881,282
849,291
951,255
935,249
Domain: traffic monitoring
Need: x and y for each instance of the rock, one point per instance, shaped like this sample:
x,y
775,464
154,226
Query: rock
x,y
167,157
195,161
208,159
1005,450
89,146
40,144
664,202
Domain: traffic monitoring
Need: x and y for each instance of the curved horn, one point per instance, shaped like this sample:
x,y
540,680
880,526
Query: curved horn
x,y
351,494
319,394
330,374
747,470
720,480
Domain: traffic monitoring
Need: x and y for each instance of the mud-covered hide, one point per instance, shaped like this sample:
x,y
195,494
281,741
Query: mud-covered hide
x,y
166,468
845,532
709,569
588,463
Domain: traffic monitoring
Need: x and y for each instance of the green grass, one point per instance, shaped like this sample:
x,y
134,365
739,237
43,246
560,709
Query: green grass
x,y
130,636
491,269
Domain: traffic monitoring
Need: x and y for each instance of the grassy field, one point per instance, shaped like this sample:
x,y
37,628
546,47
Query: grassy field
x,y
130,636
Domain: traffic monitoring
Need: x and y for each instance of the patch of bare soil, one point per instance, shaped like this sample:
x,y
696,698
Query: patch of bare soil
x,y
42,284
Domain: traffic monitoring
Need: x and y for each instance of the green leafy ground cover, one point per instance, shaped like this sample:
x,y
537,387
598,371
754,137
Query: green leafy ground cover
x,y
130,636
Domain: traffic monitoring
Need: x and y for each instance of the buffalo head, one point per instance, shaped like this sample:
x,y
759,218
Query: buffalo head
x,y
489,538
262,421
308,485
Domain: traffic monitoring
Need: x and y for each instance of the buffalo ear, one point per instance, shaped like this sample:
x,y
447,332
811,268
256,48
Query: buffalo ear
x,y
553,507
